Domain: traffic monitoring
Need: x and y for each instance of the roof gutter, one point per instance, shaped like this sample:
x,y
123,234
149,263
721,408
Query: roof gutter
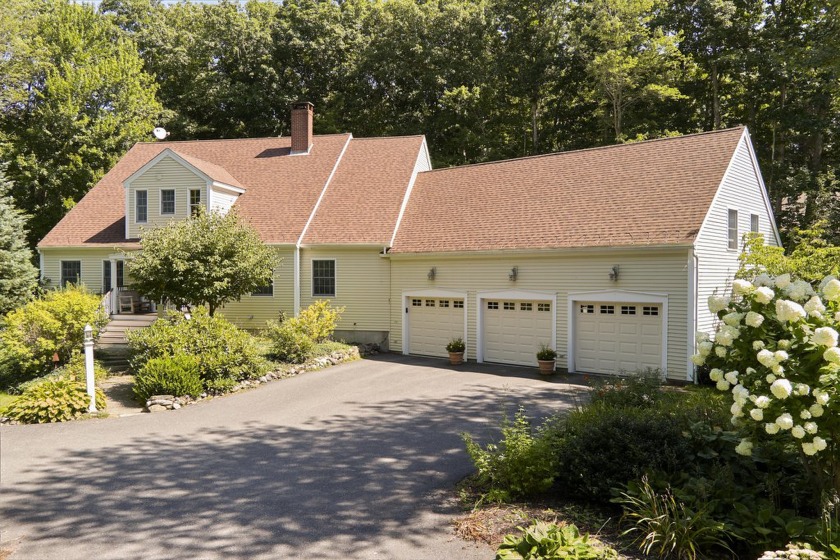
x,y
299,243
550,251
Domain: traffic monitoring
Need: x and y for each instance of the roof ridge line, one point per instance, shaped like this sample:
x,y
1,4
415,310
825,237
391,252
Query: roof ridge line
x,y
157,143
592,149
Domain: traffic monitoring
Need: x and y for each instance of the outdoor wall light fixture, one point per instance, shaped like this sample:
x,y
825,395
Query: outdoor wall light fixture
x,y
514,272
614,273
432,273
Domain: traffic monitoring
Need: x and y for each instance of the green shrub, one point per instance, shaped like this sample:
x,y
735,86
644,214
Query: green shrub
x,y
293,340
55,323
224,352
519,465
318,321
53,400
544,541
74,369
169,375
456,345
668,528
642,389
598,447
288,343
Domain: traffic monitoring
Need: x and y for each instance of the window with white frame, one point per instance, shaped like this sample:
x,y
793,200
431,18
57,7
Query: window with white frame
x,y
141,207
195,201
430,303
543,307
650,310
458,304
323,278
509,306
608,309
167,202
492,305
628,309
444,303
733,230
526,306
71,272
416,302
754,223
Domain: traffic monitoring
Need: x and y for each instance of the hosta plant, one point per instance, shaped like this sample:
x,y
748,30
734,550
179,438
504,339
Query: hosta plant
x,y
54,400
775,350
547,541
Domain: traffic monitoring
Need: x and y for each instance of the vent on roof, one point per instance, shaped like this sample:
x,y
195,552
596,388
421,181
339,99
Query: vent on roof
x,y
302,127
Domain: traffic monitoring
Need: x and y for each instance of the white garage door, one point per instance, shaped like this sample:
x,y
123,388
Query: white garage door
x,y
432,323
617,337
515,329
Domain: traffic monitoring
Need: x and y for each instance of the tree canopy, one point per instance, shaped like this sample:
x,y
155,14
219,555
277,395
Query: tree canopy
x,y
483,79
209,259
18,276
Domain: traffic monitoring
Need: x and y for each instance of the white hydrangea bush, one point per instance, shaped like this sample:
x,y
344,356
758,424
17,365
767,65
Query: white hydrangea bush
x,y
776,351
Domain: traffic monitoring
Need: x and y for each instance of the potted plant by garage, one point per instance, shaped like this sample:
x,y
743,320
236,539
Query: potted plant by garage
x,y
456,349
546,358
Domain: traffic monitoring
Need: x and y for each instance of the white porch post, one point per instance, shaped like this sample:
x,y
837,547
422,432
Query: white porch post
x,y
114,298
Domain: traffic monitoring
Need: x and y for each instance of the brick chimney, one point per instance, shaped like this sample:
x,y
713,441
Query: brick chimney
x,y
302,127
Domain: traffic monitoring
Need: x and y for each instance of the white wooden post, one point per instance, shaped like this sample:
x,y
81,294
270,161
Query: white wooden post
x,y
91,387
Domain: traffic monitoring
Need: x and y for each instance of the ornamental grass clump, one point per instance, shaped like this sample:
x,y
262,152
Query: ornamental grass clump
x,y
776,352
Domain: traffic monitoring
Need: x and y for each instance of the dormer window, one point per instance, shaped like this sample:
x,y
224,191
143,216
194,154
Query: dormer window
x,y
195,201
167,202
141,207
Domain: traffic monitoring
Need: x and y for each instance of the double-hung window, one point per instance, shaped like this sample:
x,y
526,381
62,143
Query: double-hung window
x,y
733,230
141,207
267,290
195,201
71,272
167,202
323,278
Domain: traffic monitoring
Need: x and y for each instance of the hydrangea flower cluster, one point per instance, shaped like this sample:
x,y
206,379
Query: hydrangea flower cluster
x,y
776,351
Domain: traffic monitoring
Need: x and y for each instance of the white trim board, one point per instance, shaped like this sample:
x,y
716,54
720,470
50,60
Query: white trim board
x,y
617,296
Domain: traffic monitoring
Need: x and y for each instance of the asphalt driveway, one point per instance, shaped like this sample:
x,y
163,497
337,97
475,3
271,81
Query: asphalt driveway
x,y
355,461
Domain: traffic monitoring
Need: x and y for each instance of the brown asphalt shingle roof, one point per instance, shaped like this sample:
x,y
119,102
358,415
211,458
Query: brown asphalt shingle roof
x,y
216,173
281,190
648,193
363,200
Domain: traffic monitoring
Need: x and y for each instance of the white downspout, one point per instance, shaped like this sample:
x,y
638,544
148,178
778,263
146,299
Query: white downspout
x,y
693,289
297,279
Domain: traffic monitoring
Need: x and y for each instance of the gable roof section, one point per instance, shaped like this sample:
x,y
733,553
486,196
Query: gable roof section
x,y
281,189
363,200
648,193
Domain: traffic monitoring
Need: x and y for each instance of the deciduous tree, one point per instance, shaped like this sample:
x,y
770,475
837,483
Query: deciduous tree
x,y
209,259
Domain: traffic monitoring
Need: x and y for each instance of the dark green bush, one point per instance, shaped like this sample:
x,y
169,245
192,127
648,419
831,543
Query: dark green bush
x,y
520,465
599,447
53,400
169,375
225,354
53,324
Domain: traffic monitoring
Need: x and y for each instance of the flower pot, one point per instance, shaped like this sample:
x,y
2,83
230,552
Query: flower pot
x,y
546,366
456,358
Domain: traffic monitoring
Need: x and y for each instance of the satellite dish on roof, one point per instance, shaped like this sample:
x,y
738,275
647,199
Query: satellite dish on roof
x,y
160,133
